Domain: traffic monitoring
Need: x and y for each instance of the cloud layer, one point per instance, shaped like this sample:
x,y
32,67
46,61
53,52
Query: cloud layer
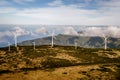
x,y
56,12
110,31
19,31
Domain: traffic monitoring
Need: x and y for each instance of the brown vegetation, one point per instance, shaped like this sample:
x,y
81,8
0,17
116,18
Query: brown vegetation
x,y
59,62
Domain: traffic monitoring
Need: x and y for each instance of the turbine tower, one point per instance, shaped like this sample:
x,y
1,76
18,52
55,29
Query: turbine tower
x,y
8,46
105,39
79,34
15,38
75,43
34,45
52,43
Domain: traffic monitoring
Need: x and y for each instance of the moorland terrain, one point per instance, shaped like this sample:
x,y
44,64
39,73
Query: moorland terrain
x,y
59,63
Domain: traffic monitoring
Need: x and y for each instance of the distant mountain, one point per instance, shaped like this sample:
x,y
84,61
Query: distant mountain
x,y
69,40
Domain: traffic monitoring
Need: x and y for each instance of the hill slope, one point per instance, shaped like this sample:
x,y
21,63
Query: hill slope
x,y
63,62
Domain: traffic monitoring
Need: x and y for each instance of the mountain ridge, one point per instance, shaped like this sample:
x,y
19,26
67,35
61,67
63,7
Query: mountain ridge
x,y
69,40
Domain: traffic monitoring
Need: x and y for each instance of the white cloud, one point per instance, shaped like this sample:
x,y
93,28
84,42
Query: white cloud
x,y
19,31
70,31
41,30
58,15
93,31
8,10
3,35
111,31
66,14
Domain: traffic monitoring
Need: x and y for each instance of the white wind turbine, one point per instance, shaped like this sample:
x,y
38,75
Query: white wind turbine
x,y
8,46
80,33
103,32
15,39
52,43
34,45
76,43
106,35
105,42
16,34
52,39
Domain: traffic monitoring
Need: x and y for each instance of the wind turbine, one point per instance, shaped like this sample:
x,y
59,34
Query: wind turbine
x,y
8,46
52,43
34,45
105,41
15,38
75,43
80,33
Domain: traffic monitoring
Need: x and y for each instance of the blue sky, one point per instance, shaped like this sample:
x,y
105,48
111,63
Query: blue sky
x,y
60,12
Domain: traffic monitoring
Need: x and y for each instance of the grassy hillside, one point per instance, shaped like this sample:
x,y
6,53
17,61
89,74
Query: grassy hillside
x,y
25,58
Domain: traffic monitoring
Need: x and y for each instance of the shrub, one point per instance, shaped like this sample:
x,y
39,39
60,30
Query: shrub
x,y
55,62
5,71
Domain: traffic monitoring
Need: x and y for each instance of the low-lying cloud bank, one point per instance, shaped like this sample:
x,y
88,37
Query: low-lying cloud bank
x,y
110,31
44,31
